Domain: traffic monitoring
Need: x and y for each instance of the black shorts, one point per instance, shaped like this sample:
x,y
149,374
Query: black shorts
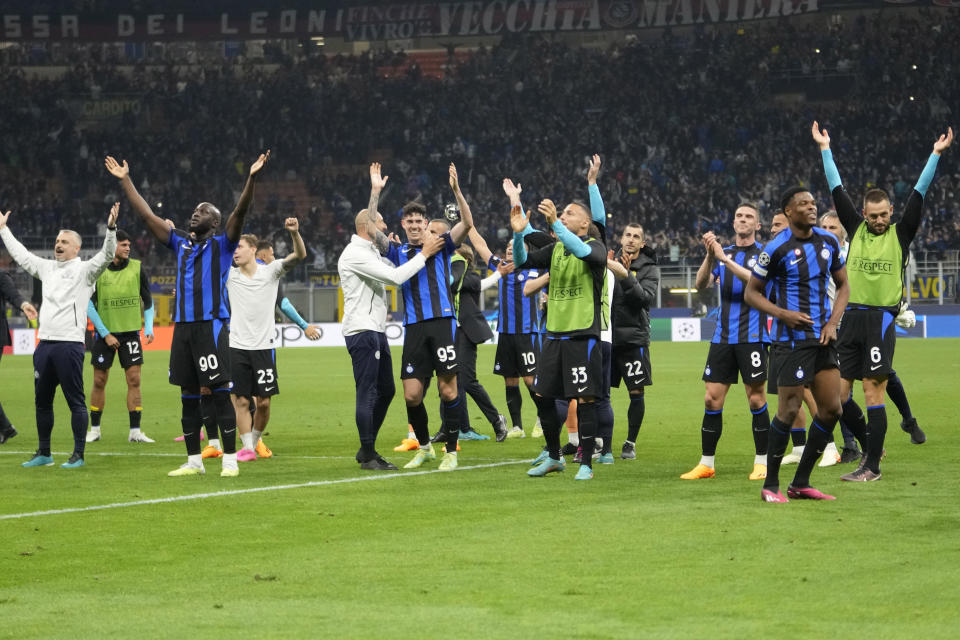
x,y
429,346
254,373
200,354
517,355
631,364
798,365
865,343
130,351
725,361
570,368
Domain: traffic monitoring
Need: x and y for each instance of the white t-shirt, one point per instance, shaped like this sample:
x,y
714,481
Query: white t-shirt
x,y
252,301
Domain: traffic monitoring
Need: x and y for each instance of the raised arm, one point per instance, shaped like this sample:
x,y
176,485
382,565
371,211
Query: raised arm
x,y
154,223
910,222
377,184
234,227
513,192
98,263
28,262
299,249
598,213
847,212
460,230
480,245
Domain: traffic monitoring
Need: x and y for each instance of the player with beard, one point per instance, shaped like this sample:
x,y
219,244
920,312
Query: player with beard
x,y
877,257
200,348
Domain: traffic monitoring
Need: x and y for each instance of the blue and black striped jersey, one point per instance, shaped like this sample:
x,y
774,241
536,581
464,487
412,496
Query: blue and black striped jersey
x,y
738,322
202,269
518,313
427,294
799,270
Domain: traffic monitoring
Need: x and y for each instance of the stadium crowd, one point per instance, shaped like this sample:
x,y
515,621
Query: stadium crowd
x,y
685,128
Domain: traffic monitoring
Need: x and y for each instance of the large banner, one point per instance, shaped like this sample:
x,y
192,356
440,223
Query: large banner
x,y
397,21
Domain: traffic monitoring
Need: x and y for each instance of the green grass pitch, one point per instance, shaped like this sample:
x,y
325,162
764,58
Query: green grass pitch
x,y
326,550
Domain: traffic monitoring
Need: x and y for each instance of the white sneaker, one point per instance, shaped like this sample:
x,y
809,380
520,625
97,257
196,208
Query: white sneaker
x,y
94,434
830,456
516,432
537,430
228,466
187,469
793,457
138,436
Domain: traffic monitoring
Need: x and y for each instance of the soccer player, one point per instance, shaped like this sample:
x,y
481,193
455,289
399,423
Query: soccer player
x,y
428,317
67,283
570,364
8,292
798,431
114,310
363,272
800,262
632,297
738,345
518,320
472,329
877,256
251,287
200,349
265,255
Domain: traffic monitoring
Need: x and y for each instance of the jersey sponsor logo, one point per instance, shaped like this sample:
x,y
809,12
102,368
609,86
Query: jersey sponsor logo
x,y
581,389
756,374
269,388
795,261
764,259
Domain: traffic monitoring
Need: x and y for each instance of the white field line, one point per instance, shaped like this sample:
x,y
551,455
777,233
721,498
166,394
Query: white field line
x,y
147,454
234,492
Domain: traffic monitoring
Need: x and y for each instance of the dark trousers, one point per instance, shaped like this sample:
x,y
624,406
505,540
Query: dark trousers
x,y
373,374
467,380
59,364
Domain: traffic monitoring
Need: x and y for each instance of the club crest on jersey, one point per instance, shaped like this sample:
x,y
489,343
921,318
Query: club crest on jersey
x,y
764,259
100,359
496,367
706,371
825,253
729,256
799,374
376,354
409,368
520,277
751,262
